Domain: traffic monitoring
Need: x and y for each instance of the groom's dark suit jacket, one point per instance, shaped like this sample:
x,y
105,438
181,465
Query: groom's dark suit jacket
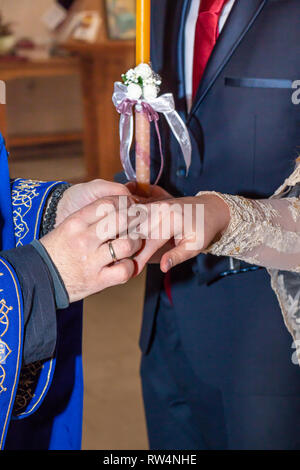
x,y
244,126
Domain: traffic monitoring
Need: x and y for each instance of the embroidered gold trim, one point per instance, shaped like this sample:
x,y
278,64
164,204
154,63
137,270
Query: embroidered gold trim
x,y
5,350
5,321
28,379
23,193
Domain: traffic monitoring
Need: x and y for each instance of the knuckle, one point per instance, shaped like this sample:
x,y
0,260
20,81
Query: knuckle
x,y
73,225
124,273
82,242
127,246
121,189
174,258
136,245
96,182
110,187
109,201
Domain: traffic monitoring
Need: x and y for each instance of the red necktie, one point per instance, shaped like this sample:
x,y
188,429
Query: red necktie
x,y
206,35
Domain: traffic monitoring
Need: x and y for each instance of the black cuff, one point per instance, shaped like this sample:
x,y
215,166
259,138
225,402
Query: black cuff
x,y
36,283
49,216
61,294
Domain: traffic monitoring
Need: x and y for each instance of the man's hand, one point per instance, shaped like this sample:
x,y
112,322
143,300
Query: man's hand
x,y
81,251
80,195
183,232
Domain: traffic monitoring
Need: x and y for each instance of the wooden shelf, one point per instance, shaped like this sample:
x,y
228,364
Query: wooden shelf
x,y
41,139
107,46
16,69
19,69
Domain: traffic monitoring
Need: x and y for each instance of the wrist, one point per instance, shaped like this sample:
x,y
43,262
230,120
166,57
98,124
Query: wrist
x,y
216,210
60,291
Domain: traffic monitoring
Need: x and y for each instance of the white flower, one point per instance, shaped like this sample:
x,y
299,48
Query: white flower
x,y
143,70
150,92
142,82
134,91
130,75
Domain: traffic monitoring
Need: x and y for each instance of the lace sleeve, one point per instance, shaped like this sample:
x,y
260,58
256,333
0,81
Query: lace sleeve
x,y
267,233
262,232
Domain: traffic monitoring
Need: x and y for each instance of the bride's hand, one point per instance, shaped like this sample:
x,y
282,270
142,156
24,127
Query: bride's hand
x,y
188,234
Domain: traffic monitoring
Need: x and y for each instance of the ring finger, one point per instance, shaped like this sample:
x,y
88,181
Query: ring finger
x,y
118,249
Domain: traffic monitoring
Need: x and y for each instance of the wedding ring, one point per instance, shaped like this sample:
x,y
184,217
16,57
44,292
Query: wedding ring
x,y
112,252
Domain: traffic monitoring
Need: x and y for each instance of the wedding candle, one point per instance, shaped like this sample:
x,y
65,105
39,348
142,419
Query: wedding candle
x,y
143,14
142,128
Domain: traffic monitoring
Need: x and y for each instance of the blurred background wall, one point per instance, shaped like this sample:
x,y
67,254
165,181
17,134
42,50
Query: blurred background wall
x,y
36,104
52,123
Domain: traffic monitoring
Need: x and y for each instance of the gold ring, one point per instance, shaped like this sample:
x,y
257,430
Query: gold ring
x,y
112,252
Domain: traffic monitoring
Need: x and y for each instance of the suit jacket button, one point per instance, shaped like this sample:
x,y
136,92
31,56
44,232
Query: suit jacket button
x,y
180,172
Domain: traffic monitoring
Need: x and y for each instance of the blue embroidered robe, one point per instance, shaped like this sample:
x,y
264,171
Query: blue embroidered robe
x,y
40,404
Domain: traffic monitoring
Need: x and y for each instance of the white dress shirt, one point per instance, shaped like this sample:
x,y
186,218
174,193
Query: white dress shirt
x,y
190,29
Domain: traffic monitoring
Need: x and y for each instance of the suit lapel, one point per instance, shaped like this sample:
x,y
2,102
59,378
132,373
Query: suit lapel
x,y
241,18
165,45
181,53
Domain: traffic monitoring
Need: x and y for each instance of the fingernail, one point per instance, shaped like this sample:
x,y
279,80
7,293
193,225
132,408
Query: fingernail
x,y
169,264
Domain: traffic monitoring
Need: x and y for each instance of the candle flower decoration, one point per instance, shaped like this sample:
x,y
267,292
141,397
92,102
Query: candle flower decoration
x,y
139,92
142,82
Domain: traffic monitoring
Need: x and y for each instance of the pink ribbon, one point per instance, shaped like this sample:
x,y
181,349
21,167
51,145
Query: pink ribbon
x,y
125,109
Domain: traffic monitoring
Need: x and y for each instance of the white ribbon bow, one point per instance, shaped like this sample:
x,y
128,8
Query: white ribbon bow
x,y
163,104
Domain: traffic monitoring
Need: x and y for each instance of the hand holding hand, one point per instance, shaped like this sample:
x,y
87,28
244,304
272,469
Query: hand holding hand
x,y
83,254
184,232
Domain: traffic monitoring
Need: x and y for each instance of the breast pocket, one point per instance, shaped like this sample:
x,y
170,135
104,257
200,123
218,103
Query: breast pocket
x,y
259,82
276,121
